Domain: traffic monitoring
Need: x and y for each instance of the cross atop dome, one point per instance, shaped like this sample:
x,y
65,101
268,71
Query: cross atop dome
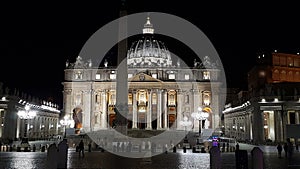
x,y
148,27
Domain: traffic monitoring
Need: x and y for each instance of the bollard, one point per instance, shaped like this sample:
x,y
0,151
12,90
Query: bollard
x,y
43,149
34,148
174,149
52,157
62,154
215,158
184,149
241,159
257,158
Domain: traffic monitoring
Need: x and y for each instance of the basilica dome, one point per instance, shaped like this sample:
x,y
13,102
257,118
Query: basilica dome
x,y
148,52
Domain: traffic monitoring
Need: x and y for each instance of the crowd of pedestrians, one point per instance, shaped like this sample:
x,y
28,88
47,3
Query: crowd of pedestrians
x,y
288,149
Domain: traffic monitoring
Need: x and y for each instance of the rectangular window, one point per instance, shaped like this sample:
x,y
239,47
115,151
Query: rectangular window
x,y
154,98
78,75
186,76
112,76
130,99
282,61
206,75
154,75
292,118
290,62
297,62
276,60
98,76
171,76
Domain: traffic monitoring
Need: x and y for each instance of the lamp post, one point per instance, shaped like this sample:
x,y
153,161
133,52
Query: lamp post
x,y
26,114
200,115
186,122
65,122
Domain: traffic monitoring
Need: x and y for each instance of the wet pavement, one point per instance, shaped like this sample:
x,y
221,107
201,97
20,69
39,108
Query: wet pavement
x,y
178,160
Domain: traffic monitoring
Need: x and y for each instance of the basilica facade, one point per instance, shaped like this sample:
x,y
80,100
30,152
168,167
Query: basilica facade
x,y
161,91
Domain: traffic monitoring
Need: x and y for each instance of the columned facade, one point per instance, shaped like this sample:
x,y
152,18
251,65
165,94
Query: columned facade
x,y
160,94
157,107
20,118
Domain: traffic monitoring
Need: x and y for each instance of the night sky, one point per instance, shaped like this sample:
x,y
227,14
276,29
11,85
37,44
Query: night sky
x,y
37,39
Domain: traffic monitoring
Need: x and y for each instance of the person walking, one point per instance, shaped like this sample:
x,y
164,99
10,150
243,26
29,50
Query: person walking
x,y
279,150
237,147
285,147
81,148
90,147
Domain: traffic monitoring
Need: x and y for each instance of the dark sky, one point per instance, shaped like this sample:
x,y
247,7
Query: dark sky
x,y
37,39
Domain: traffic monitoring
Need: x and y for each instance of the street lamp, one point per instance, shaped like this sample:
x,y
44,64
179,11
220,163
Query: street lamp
x,y
65,122
26,114
185,123
200,115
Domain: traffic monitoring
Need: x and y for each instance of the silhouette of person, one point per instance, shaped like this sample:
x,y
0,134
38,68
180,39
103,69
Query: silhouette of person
x,y
279,150
237,147
81,148
285,147
90,147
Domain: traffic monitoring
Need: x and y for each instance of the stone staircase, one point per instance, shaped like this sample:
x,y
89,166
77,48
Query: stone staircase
x,y
143,133
206,133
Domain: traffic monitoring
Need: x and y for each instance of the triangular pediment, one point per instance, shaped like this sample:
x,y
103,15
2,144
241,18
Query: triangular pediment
x,y
142,77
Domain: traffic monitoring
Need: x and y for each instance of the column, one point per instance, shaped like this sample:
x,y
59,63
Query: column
x,y
195,105
297,117
179,109
159,99
215,109
149,110
87,110
165,109
278,126
97,112
284,116
195,100
134,110
104,109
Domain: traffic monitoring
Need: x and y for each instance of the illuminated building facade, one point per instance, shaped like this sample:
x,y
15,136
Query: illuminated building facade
x,y
29,117
271,107
160,93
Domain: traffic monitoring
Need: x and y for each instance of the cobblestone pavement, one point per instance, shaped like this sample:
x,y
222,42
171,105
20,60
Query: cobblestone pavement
x,y
179,160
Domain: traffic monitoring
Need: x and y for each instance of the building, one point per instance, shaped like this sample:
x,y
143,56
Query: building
x,y
26,116
160,92
271,106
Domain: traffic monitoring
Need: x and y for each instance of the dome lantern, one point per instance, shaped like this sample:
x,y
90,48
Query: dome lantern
x,y
148,27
